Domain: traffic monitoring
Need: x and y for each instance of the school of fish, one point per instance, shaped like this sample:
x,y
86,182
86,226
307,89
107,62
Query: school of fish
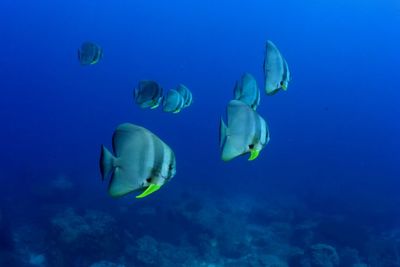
x,y
140,162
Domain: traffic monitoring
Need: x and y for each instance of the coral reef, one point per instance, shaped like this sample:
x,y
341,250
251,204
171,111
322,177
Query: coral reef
x,y
30,246
72,226
38,260
195,231
85,238
106,264
322,255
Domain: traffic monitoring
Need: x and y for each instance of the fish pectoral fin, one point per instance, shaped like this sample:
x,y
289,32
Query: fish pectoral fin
x,y
254,154
151,189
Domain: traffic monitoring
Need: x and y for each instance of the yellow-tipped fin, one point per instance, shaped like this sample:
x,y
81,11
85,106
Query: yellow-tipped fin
x,y
254,154
151,189
156,103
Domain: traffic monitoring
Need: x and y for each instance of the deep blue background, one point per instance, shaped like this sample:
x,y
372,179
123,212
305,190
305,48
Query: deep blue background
x,y
334,133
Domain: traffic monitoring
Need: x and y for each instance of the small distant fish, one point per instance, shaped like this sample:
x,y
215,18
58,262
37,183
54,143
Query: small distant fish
x,y
273,69
246,90
148,94
142,162
186,94
173,102
89,53
246,132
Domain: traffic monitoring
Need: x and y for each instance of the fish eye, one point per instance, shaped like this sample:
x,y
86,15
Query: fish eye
x,y
251,146
148,180
170,167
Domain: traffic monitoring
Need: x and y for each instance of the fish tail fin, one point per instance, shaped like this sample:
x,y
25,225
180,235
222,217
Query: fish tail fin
x,y
106,162
222,132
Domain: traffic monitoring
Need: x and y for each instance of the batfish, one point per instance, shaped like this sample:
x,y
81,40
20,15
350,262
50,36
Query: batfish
x,y
141,162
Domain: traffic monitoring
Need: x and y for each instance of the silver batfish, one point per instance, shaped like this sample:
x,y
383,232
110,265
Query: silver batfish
x,y
148,94
173,102
246,132
141,162
273,68
89,53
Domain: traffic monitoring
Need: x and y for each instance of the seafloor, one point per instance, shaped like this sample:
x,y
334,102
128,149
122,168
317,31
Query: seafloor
x,y
66,228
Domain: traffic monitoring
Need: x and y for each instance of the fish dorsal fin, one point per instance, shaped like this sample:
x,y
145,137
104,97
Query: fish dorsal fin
x,y
122,137
151,189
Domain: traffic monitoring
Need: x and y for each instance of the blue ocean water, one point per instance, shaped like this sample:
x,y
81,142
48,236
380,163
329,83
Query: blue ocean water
x,y
324,192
